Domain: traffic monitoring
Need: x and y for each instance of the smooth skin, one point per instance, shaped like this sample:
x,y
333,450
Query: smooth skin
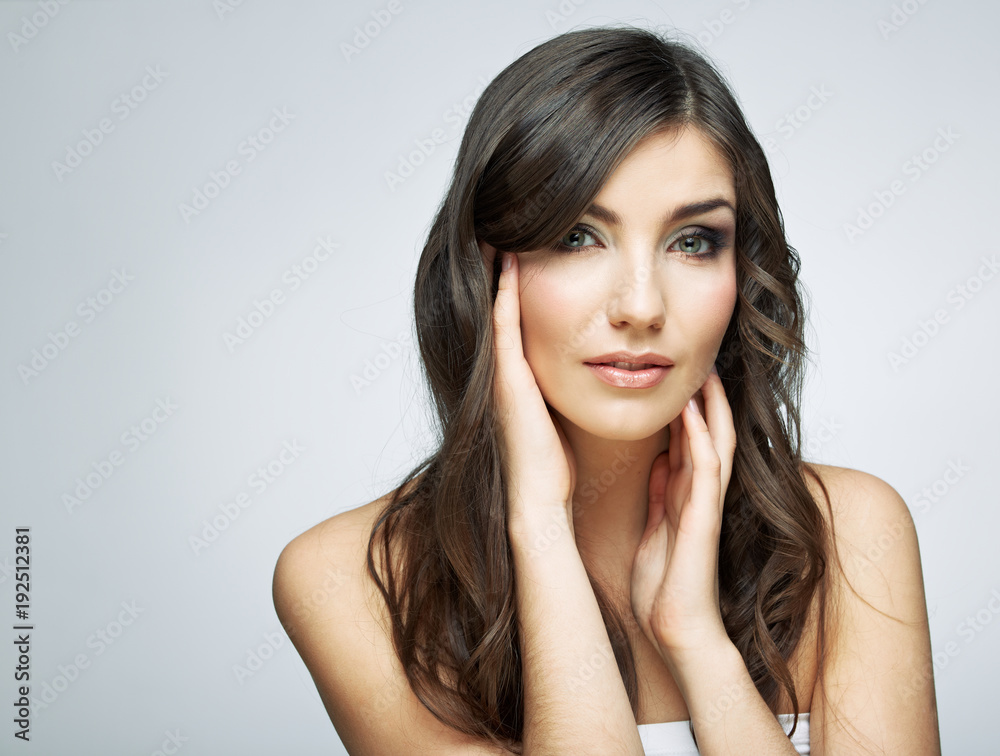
x,y
675,576
653,531
674,580
675,584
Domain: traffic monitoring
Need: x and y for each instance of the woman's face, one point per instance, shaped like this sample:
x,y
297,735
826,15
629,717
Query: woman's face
x,y
638,275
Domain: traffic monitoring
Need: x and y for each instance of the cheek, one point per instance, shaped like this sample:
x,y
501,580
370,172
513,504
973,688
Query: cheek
x,y
561,313
707,309
721,299
554,315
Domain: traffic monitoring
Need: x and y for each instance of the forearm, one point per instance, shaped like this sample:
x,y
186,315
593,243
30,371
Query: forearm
x,y
727,712
575,700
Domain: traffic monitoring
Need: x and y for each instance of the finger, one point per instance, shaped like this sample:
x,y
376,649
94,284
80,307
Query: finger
x,y
700,522
674,446
657,491
685,446
567,450
680,472
707,467
507,310
514,375
719,419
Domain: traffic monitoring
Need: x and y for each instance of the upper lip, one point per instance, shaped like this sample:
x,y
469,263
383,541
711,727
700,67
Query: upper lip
x,y
646,358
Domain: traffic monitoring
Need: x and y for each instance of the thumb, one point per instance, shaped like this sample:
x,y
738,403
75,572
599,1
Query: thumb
x,y
506,309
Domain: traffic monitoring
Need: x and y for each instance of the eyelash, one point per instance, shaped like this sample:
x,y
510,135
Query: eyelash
x,y
716,238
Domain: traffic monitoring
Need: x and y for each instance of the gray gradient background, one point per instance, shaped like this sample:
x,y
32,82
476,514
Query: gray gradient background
x,y
162,337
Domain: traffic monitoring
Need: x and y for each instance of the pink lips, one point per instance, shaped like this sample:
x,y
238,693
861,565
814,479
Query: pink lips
x,y
656,368
623,378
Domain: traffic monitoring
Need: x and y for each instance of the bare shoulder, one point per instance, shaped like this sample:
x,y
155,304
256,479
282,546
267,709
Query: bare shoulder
x,y
877,556
336,618
869,517
879,662
318,574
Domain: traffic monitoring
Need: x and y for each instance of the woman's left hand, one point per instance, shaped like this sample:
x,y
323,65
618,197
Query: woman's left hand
x,y
675,573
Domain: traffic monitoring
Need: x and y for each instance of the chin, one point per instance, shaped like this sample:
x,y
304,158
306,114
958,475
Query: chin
x,y
623,423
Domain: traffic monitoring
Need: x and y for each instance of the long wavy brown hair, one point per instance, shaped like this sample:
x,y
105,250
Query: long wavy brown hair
x,y
543,138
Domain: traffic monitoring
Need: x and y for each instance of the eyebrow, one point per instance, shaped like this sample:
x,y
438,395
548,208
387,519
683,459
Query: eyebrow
x,y
681,213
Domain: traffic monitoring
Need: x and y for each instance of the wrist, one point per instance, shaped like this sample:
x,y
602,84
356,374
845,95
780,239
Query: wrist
x,y
713,682
685,658
537,529
697,671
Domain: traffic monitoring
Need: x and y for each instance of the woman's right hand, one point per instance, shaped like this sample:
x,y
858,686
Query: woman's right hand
x,y
539,468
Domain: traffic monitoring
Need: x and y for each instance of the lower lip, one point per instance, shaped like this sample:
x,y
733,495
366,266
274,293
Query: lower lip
x,y
636,379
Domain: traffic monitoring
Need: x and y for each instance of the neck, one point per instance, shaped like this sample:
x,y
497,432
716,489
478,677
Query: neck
x,y
611,497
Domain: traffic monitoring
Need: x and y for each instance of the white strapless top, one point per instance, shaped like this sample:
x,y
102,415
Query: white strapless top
x,y
674,738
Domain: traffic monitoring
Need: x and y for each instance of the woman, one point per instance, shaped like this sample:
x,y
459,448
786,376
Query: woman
x,y
617,546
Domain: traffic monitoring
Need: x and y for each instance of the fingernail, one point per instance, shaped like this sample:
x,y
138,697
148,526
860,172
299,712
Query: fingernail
x,y
692,405
506,260
714,370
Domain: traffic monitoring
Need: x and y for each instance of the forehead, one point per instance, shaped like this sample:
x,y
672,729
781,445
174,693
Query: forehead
x,y
672,167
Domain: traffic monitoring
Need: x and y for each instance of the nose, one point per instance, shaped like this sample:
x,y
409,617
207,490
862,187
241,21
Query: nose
x,y
636,297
